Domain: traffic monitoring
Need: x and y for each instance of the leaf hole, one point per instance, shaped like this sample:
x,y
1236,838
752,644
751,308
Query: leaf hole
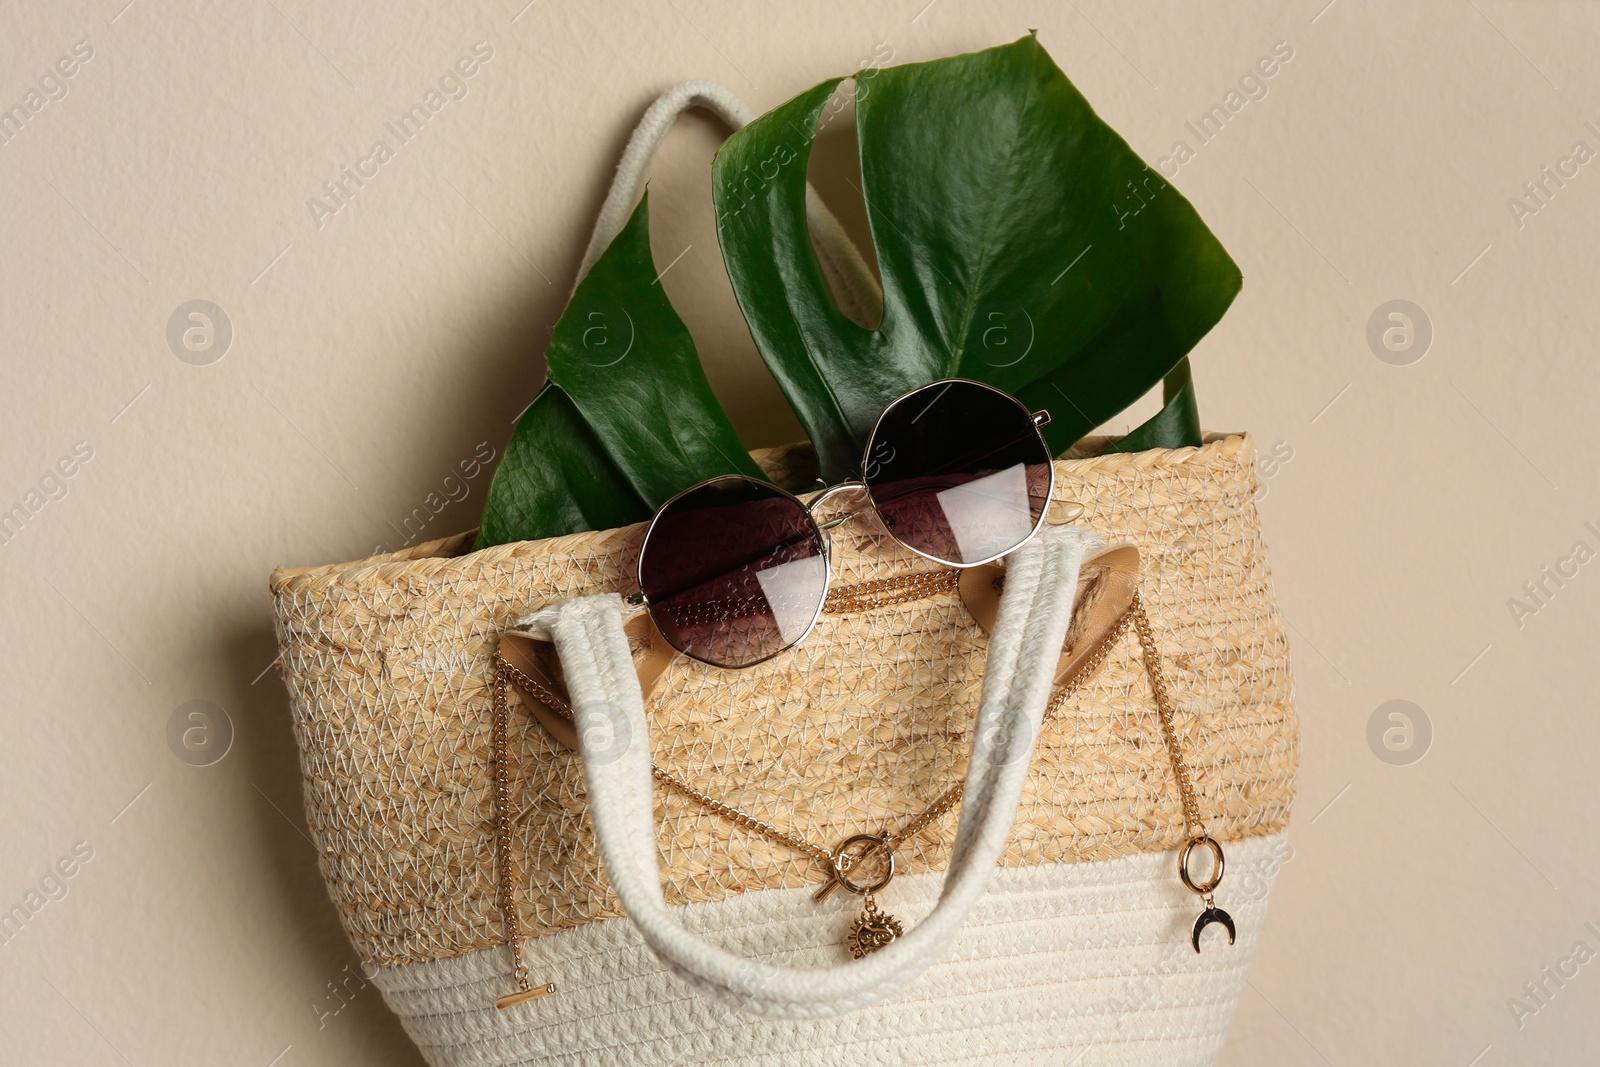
x,y
834,171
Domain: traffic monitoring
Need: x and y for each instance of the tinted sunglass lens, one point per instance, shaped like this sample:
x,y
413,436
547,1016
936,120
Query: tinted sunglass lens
x,y
734,571
959,472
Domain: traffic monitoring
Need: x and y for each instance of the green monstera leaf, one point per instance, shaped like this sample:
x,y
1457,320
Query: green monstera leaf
x,y
1021,242
627,418
1177,423
555,478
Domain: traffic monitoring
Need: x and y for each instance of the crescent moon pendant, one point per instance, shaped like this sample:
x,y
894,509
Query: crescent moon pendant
x,y
1207,917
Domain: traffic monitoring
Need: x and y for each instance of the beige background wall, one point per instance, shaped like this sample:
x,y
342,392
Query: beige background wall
x,y
373,352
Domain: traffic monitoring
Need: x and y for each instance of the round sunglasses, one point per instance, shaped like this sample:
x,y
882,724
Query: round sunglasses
x,y
735,570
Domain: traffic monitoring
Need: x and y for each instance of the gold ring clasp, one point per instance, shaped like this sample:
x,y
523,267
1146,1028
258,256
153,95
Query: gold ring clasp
x,y
1214,879
844,860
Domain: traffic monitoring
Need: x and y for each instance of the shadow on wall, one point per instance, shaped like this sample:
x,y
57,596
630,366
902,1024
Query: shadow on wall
x,y
265,748
502,365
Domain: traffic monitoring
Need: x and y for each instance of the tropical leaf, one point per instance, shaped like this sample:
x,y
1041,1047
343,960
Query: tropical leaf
x,y
555,478
1021,242
627,419
1176,425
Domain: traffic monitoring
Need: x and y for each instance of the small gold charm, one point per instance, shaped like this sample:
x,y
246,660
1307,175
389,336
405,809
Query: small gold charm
x,y
872,930
1203,889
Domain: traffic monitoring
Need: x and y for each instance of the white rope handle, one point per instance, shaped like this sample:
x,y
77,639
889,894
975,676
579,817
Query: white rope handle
x,y
848,274
608,711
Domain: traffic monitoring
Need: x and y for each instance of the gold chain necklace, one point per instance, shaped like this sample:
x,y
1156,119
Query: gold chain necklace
x,y
873,927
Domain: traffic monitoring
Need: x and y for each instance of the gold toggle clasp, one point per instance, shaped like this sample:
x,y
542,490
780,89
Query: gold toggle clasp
x,y
511,1000
844,860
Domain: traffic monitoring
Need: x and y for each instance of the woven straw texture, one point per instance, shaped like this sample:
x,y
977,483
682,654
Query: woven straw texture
x,y
387,661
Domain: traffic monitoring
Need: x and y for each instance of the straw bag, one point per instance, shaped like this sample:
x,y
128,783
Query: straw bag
x,y
1046,920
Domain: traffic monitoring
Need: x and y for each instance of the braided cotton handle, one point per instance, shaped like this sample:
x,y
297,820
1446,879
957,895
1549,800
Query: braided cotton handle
x,y
847,271
1035,609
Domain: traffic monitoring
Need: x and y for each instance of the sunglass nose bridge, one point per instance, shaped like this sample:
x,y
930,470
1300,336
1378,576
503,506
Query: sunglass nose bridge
x,y
858,489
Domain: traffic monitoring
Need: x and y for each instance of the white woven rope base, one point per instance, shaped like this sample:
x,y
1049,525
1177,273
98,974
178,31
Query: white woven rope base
x,y
1084,963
